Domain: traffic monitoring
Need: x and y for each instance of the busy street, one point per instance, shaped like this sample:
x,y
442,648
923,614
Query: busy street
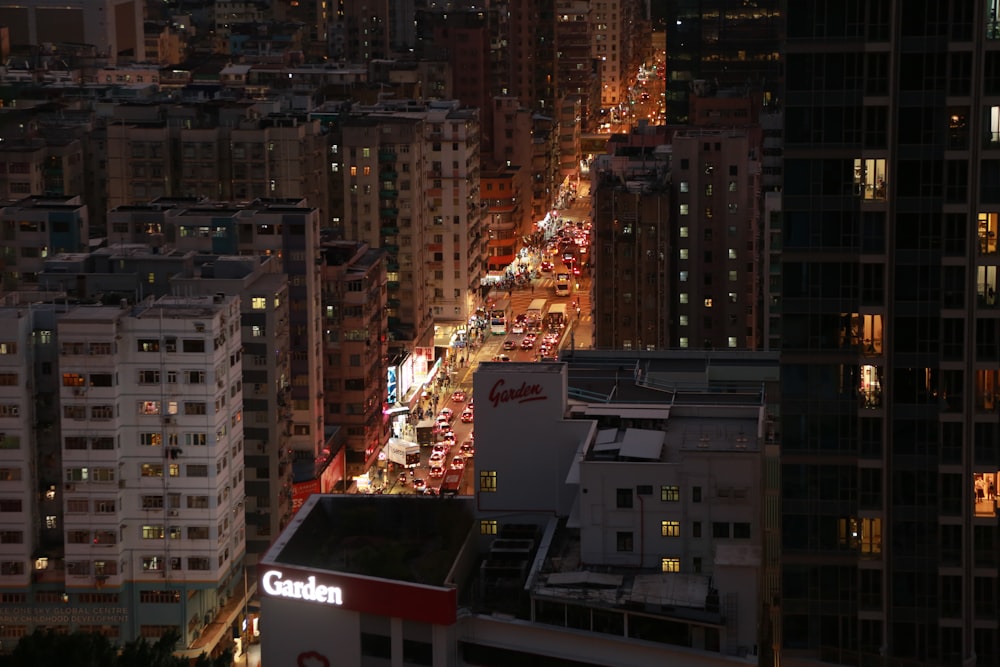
x,y
541,309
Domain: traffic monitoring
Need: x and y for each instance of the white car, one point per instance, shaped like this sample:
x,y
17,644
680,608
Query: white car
x,y
517,328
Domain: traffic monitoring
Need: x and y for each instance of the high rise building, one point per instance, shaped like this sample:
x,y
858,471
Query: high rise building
x,y
123,480
115,27
889,416
725,43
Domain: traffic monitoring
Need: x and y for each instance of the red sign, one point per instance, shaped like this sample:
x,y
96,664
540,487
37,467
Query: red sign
x,y
371,595
526,393
303,490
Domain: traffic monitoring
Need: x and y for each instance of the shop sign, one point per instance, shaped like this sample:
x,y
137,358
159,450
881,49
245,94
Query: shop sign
x,y
275,584
526,393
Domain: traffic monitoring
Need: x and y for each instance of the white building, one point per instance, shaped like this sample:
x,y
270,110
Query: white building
x,y
617,520
152,452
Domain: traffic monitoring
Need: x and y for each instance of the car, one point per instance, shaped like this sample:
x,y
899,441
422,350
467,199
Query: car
x,y
448,435
527,344
402,479
576,270
531,336
545,266
457,463
544,350
419,485
438,459
442,423
436,471
458,396
440,447
518,328
501,357
430,491
447,412
509,344
471,405
467,417
468,449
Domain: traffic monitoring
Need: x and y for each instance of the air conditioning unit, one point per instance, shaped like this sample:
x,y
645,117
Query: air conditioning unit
x,y
173,513
168,419
70,487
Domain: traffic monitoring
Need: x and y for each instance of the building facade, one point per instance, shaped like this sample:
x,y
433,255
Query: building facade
x,y
134,451
888,329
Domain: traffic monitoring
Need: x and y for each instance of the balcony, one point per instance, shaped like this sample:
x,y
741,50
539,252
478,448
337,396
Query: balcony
x,y
388,194
392,285
389,231
392,266
391,249
386,155
388,174
388,212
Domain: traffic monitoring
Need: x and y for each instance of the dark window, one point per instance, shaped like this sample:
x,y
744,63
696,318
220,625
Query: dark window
x,y
193,345
741,531
696,494
696,529
623,498
720,529
624,541
376,646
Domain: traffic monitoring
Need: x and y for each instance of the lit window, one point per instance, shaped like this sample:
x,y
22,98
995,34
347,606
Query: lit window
x,y
684,209
683,232
258,303
683,297
732,276
354,171
683,320
732,186
670,494
670,528
732,341
732,253
682,253
732,297
684,186
684,341
487,481
488,527
670,565
708,302
683,276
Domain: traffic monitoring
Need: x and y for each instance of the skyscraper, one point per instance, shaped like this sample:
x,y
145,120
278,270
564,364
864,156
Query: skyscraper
x,y
889,331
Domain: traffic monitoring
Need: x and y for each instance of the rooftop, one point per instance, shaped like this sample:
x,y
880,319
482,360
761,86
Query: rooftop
x,y
411,539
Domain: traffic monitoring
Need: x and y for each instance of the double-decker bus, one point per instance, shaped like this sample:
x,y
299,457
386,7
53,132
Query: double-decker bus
x,y
535,315
562,284
500,316
556,319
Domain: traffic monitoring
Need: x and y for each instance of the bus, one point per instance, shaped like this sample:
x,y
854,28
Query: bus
x,y
562,284
500,316
556,319
536,314
451,482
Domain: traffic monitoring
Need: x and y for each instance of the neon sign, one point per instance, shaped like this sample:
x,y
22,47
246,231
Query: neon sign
x,y
275,584
523,394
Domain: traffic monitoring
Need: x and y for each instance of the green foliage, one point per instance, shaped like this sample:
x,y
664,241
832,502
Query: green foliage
x,y
84,649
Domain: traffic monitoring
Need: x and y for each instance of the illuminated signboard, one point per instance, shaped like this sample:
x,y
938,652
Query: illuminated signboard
x,y
275,584
526,393
391,386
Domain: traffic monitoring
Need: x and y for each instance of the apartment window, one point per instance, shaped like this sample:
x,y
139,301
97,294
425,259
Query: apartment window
x,y
197,502
487,481
151,470
488,527
147,345
741,531
683,232
194,408
152,532
195,377
696,494
684,209
670,494
670,564
720,529
684,186
150,439
623,498
696,529
152,563
197,532
197,470
624,541
152,502
682,253
670,528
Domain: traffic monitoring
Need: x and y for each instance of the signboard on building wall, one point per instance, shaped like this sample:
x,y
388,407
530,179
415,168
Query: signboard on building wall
x,y
405,375
392,386
301,491
423,359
